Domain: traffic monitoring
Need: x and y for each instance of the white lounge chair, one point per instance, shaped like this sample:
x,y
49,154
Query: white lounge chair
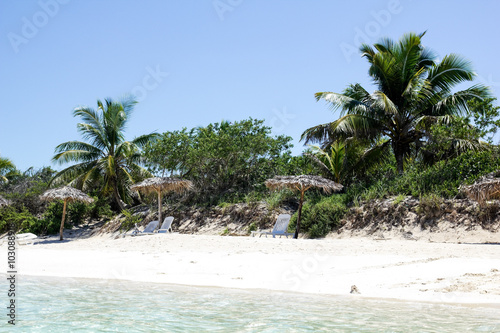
x,y
149,230
280,228
167,225
26,238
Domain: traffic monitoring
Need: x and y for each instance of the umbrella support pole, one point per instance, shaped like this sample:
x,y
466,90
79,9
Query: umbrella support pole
x,y
159,208
299,215
62,221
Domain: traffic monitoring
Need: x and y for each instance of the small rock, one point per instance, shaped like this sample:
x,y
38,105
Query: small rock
x,y
354,290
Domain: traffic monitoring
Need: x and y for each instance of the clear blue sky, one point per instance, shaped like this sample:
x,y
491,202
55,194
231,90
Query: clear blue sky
x,y
196,62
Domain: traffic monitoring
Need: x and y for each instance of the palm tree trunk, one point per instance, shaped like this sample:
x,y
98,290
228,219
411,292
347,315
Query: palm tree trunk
x,y
400,163
118,200
62,221
299,214
399,152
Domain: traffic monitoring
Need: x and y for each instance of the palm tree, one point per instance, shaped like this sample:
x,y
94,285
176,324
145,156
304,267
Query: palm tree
x,y
334,161
106,160
413,90
6,168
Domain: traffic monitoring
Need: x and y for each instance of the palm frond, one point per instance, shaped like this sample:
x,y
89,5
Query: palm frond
x,y
346,103
143,140
373,155
89,116
457,103
382,101
451,71
318,133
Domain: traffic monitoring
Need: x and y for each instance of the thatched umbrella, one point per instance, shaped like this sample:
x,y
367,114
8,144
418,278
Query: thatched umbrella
x,y
162,184
4,202
302,183
67,194
485,188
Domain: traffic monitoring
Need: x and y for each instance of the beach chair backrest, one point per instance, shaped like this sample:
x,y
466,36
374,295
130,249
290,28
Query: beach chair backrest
x,y
151,226
281,224
167,223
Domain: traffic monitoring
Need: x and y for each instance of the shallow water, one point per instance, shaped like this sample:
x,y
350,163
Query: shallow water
x,y
88,305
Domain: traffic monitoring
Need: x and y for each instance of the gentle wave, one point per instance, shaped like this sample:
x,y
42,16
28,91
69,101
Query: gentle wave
x,y
88,305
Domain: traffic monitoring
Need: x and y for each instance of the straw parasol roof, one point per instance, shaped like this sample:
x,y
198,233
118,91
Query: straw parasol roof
x,y
162,184
485,188
302,183
67,194
4,202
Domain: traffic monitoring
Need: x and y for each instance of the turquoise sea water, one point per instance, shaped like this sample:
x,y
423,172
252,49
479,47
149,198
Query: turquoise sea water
x,y
87,305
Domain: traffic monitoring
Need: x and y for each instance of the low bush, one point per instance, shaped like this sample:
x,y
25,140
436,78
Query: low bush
x,y
130,220
21,220
280,198
321,217
442,179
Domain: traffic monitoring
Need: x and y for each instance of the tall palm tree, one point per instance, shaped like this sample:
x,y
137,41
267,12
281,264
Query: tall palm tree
x,y
413,89
106,159
6,169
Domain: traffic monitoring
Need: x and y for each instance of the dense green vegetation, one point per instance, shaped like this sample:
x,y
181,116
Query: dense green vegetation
x,y
30,214
225,161
413,136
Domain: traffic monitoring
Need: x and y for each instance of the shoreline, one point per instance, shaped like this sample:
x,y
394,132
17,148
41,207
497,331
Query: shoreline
x,y
324,297
402,270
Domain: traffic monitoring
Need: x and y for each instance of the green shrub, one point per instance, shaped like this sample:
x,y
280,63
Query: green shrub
x,y
398,199
43,226
253,199
100,208
252,227
21,219
442,179
130,220
277,199
430,205
24,221
320,218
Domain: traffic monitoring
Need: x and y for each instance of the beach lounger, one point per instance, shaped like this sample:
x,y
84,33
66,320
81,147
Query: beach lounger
x,y
279,229
22,239
149,230
27,238
167,225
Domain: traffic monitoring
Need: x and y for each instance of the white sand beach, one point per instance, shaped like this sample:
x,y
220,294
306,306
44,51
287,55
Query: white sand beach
x,y
394,269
